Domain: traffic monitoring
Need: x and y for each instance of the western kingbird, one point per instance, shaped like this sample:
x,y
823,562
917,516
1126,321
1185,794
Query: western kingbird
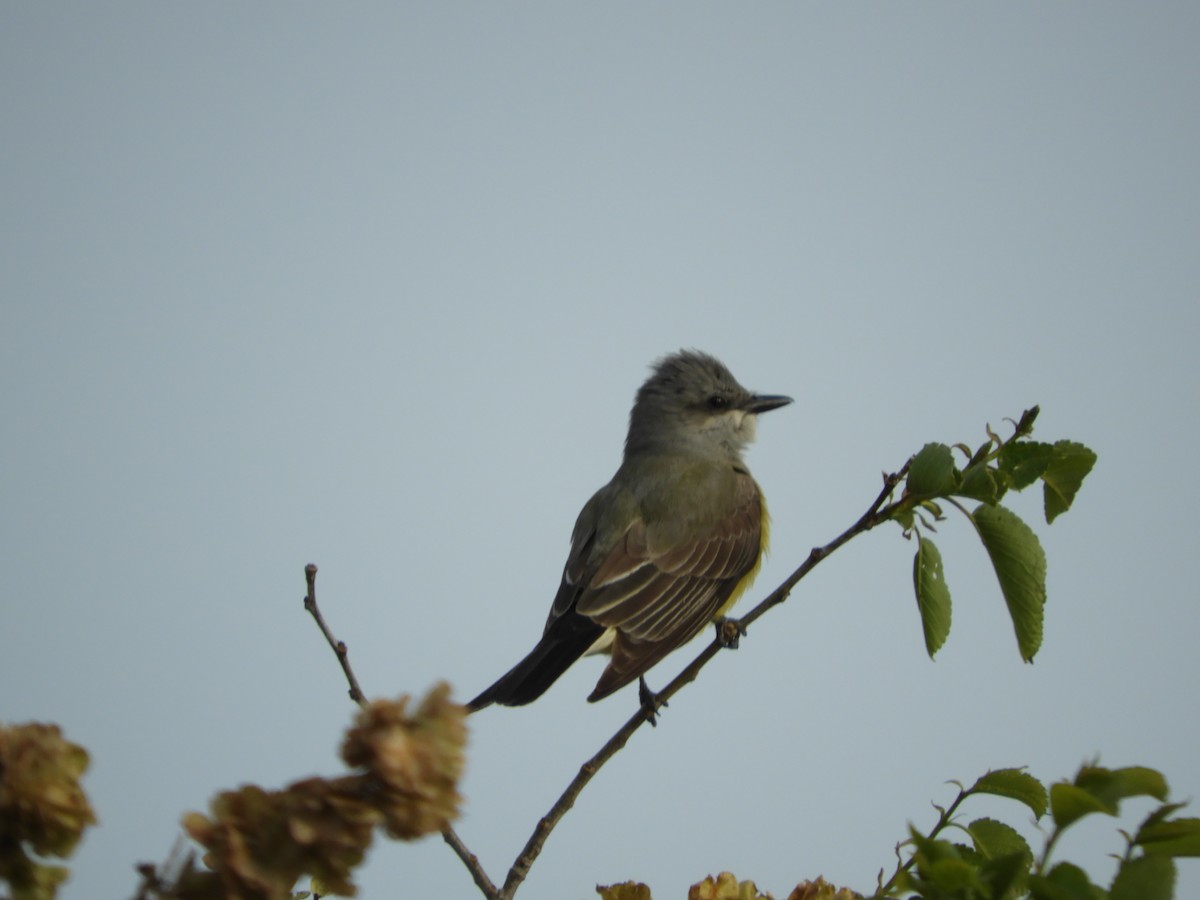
x,y
668,545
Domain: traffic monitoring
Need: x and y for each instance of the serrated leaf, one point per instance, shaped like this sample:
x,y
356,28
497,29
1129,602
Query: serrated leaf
x,y
1025,461
1113,785
1064,882
1016,785
1144,878
979,483
929,850
1173,837
995,839
1161,813
1020,566
1006,876
1064,476
932,473
951,875
933,596
1069,803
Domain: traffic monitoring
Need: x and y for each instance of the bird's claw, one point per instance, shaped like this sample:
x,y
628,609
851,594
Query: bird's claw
x,y
650,702
729,633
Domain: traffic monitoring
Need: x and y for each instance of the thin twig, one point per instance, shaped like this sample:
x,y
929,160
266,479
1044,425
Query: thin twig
x,y
875,514
338,647
470,860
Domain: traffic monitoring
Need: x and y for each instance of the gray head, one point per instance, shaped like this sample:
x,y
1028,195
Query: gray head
x,y
691,403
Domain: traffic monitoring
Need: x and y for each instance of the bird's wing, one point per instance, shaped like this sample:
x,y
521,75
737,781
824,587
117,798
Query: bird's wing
x,y
659,597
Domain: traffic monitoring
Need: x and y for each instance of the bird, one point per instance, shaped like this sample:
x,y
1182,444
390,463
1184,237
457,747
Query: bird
x,y
668,545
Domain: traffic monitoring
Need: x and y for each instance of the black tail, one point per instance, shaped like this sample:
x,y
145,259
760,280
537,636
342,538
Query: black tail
x,y
553,655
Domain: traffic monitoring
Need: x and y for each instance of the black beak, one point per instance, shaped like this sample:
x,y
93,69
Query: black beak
x,y
761,403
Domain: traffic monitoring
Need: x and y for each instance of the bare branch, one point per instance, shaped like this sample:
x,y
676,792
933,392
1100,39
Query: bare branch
x,y
876,513
470,860
338,647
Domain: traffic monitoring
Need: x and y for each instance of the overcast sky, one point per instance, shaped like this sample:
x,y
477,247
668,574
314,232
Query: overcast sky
x,y
373,287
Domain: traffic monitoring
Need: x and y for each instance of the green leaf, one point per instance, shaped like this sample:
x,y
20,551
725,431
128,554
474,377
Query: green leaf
x,y
933,597
995,839
1025,425
1016,785
1144,878
932,473
979,483
1005,855
954,875
929,850
979,455
1020,566
1162,813
1064,476
1006,876
1173,837
1025,461
1064,882
1069,803
1110,786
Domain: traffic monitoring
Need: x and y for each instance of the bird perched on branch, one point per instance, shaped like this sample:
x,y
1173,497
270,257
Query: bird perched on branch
x,y
668,545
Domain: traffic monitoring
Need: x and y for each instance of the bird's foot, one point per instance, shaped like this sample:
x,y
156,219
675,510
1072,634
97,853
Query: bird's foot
x,y
650,703
729,633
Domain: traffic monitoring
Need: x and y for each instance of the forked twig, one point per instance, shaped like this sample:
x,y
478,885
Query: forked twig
x,y
875,515
338,647
470,860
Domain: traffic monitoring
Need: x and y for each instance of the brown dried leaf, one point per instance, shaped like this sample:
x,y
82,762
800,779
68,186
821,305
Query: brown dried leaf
x,y
259,843
27,879
627,890
41,801
725,887
821,890
414,760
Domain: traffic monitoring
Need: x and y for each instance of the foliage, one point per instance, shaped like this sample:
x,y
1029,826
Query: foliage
x,y
406,765
989,472
998,864
43,809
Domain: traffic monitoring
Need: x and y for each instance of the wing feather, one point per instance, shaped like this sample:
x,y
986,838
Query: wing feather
x,y
658,598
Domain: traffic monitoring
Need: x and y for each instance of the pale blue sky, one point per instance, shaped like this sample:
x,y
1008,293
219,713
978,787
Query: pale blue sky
x,y
373,287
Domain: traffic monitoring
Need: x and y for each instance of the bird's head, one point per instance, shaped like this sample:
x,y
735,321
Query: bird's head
x,y
692,404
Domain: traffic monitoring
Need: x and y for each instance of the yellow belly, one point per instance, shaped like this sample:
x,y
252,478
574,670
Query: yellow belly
x,y
748,578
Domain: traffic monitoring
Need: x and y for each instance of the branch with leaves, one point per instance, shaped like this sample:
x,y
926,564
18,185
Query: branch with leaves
x,y
404,764
930,479
998,863
993,469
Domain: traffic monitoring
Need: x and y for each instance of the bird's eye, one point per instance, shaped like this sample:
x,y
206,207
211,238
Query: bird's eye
x,y
716,401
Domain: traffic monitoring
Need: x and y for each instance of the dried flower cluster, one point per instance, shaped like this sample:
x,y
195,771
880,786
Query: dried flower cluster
x,y
413,761
726,887
259,843
43,809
